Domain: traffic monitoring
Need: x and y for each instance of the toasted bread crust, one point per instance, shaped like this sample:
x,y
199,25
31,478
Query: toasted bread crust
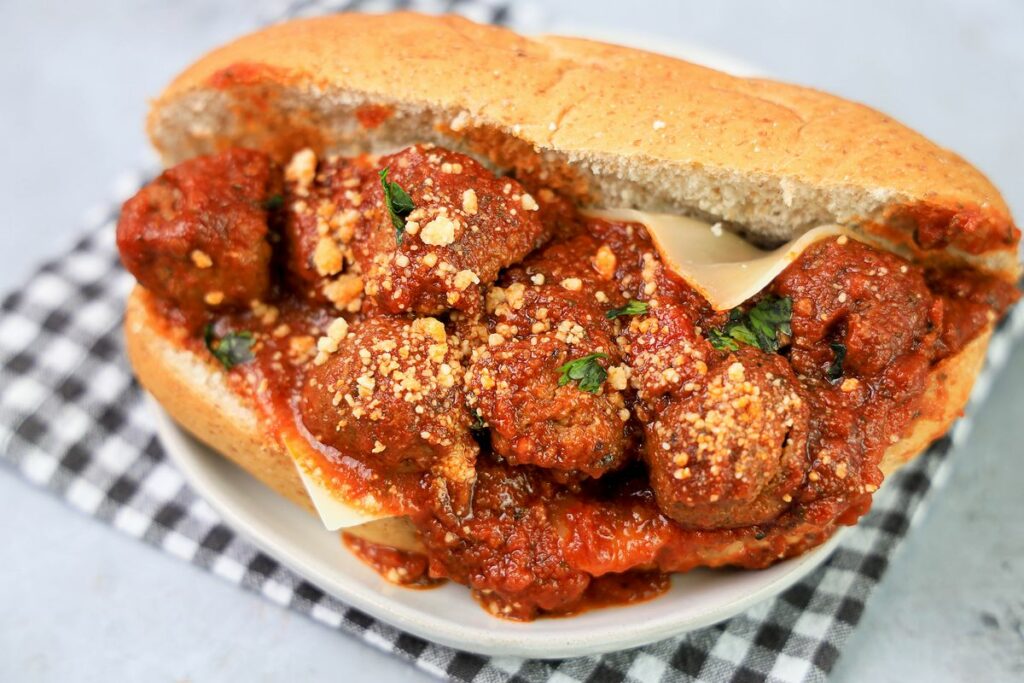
x,y
770,157
193,390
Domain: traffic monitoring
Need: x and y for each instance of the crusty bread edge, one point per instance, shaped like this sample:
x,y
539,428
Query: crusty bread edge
x,y
196,394
949,387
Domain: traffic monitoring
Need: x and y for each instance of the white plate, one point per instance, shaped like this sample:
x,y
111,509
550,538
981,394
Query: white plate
x,y
448,614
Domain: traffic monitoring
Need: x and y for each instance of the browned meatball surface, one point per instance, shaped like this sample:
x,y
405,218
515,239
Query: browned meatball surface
x,y
544,319
324,206
390,394
197,235
534,420
666,355
732,452
466,225
725,436
870,301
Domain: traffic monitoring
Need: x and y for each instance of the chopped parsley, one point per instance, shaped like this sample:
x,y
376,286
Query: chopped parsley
x,y
399,203
634,307
273,202
835,368
478,421
586,372
234,348
761,326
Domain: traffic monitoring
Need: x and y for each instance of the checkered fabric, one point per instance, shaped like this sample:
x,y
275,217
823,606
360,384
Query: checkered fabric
x,y
72,420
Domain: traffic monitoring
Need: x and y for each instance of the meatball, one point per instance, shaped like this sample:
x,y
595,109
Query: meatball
x,y
391,394
871,302
665,355
542,320
466,225
731,452
324,205
197,235
534,420
507,550
866,329
725,436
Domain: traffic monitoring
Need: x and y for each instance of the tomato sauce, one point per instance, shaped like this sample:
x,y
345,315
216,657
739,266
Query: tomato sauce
x,y
371,116
563,420
402,568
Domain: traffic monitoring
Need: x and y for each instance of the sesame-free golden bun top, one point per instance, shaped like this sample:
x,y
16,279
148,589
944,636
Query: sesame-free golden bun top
x,y
614,126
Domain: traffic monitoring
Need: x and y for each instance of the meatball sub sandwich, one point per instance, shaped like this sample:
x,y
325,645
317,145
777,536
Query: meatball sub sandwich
x,y
548,317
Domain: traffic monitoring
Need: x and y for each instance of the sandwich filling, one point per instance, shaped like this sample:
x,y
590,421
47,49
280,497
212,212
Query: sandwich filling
x,y
556,404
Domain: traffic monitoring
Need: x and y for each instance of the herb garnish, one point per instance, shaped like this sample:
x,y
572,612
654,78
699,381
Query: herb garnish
x,y
585,371
478,421
835,369
761,326
232,349
634,307
273,202
399,203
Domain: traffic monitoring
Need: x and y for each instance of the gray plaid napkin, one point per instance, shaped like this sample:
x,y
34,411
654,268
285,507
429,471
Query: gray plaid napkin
x,y
72,420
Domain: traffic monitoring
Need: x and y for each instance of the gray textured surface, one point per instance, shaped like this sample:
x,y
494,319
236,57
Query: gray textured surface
x,y
81,602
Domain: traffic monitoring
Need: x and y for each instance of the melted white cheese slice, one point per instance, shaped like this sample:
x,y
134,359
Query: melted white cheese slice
x,y
335,512
723,267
